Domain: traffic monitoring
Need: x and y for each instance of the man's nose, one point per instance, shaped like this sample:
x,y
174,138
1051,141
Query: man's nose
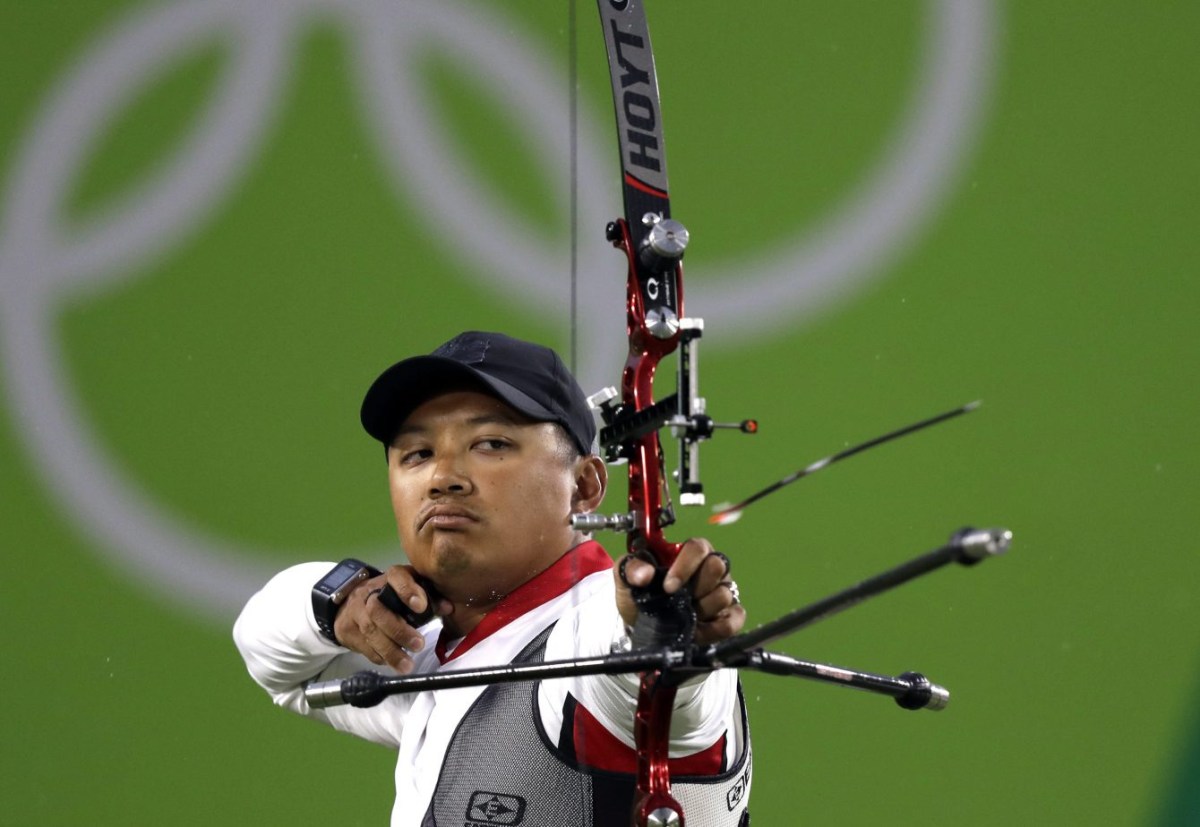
x,y
449,475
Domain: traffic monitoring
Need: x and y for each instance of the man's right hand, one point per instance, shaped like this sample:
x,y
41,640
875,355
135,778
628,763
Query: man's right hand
x,y
366,626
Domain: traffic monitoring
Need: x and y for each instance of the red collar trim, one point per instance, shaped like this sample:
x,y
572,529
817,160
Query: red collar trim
x,y
585,559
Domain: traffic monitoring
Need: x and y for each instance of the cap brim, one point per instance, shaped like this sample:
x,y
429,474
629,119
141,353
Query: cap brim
x,y
403,387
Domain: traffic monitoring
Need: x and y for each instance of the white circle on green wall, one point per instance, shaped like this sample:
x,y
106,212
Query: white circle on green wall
x,y
42,264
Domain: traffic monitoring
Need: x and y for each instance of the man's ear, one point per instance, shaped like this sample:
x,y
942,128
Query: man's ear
x,y
591,481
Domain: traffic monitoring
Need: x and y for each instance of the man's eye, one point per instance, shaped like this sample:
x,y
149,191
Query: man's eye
x,y
494,444
414,456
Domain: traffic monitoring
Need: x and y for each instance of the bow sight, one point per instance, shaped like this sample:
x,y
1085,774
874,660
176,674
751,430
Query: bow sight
x,y
683,413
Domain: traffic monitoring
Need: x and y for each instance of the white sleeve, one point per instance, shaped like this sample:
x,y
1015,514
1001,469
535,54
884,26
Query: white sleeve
x,y
706,708
277,636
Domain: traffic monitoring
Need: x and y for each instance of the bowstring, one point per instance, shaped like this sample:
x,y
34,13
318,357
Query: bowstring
x,y
573,235
573,177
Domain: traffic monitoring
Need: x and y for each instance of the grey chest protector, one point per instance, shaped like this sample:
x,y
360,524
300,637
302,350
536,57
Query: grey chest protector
x,y
502,768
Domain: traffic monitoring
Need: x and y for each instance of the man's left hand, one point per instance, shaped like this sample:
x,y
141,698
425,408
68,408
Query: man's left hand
x,y
719,612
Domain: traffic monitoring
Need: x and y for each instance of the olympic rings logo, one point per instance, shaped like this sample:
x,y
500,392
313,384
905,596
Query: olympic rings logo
x,y
42,265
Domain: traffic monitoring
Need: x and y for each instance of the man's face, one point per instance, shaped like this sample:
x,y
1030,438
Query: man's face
x,y
482,495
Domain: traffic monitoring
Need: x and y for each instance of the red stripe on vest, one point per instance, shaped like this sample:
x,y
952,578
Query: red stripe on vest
x,y
599,749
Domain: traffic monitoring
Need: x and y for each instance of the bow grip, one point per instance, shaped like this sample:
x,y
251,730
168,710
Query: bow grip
x,y
664,620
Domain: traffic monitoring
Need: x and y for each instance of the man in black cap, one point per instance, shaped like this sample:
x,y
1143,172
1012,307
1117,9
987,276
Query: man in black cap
x,y
488,443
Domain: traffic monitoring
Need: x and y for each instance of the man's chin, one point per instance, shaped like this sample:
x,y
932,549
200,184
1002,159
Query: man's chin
x,y
451,558
461,577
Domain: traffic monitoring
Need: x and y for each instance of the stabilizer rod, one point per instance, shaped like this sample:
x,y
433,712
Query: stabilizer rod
x,y
367,688
911,690
967,546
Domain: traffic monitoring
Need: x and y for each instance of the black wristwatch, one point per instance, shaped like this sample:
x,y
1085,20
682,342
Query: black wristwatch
x,y
330,592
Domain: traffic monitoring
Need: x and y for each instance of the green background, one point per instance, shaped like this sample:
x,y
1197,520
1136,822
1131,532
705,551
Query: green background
x,y
1055,282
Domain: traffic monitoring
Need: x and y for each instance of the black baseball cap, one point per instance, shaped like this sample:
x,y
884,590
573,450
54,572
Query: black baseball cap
x,y
530,378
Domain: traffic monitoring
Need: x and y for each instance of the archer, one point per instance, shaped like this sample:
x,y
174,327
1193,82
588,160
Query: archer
x,y
489,446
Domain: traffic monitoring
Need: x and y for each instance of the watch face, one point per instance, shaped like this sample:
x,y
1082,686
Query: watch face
x,y
338,577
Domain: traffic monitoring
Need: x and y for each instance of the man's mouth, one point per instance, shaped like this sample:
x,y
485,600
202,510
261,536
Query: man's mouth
x,y
443,517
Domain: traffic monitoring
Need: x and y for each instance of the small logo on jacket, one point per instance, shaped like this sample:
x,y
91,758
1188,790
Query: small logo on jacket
x,y
494,808
737,793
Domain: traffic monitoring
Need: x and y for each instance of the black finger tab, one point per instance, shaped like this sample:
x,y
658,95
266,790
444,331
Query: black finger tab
x,y
392,601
